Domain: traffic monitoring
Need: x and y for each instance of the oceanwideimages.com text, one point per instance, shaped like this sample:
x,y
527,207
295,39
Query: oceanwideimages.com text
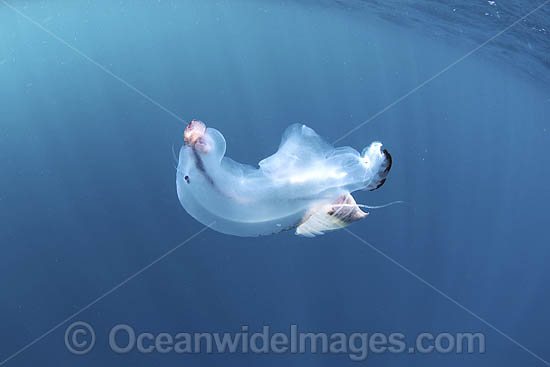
x,y
122,338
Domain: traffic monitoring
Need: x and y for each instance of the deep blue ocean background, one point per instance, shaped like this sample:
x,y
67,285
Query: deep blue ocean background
x,y
87,181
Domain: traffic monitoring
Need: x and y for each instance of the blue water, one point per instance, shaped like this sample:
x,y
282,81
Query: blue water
x,y
87,187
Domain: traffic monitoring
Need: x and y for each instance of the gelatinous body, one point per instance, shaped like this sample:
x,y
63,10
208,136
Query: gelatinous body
x,y
305,185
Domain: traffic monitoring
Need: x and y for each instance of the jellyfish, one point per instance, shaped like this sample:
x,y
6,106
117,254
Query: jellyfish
x,y
305,186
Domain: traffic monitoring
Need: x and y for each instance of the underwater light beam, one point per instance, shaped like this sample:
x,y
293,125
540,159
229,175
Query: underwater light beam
x,y
438,74
94,62
449,298
110,291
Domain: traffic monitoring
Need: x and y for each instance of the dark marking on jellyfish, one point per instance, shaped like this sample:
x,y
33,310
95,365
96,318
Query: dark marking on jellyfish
x,y
383,174
200,167
388,157
379,184
186,178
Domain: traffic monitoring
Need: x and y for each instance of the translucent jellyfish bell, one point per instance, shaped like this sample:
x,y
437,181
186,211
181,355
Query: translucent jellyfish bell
x,y
306,185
